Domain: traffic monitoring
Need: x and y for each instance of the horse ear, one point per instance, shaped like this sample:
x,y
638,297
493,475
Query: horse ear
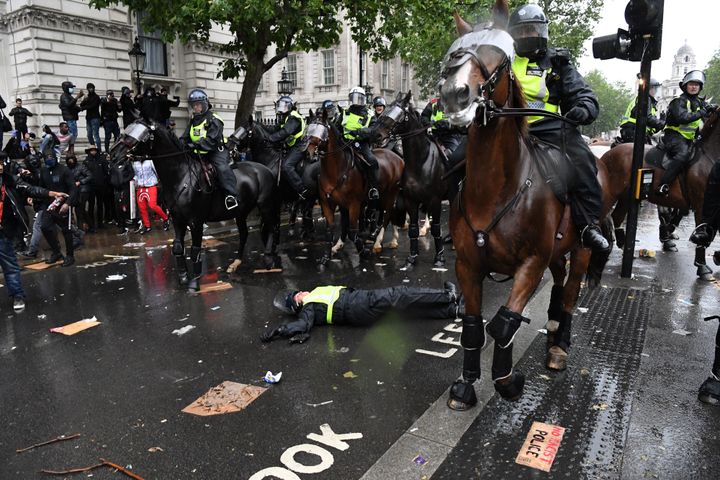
x,y
324,115
501,14
408,97
462,26
250,119
311,114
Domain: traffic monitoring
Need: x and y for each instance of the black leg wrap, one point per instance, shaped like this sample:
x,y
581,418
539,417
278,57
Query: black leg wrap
x,y
699,256
502,362
435,230
512,390
620,237
710,391
504,326
556,302
562,336
462,396
472,340
195,254
413,231
177,248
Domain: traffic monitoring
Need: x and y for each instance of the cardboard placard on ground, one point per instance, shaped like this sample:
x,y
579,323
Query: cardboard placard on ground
x,y
228,397
268,270
42,265
73,328
214,287
212,242
541,445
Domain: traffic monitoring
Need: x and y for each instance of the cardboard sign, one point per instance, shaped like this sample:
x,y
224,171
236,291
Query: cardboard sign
x,y
73,328
541,446
214,287
268,270
212,242
228,397
42,265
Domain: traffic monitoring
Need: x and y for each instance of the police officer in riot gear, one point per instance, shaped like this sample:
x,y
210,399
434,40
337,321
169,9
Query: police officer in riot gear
x,y
684,115
204,136
289,136
356,123
550,82
331,109
336,305
654,123
433,115
379,105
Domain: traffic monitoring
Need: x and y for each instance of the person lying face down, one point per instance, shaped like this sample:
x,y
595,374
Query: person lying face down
x,y
328,305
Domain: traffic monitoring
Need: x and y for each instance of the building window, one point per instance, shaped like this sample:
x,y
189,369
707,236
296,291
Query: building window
x,y
258,116
687,59
404,77
385,75
328,67
155,49
685,70
292,69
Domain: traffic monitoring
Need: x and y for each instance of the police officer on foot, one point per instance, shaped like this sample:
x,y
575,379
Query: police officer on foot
x,y
204,136
289,137
684,115
552,83
356,122
336,305
654,123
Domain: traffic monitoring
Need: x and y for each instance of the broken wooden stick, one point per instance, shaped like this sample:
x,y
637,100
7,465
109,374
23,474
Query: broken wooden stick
x,y
61,438
121,469
104,463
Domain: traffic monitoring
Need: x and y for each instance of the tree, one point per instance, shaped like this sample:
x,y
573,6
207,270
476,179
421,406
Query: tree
x,y
711,88
613,99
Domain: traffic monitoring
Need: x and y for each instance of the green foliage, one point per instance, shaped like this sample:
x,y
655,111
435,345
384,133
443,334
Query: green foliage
x,y
711,89
613,98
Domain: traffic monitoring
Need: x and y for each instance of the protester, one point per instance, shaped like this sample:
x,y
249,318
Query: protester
x,y
91,105
20,114
2,120
127,105
83,181
147,194
165,105
120,177
69,107
99,170
63,139
110,109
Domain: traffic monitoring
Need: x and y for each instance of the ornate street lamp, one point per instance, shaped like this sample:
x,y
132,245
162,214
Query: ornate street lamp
x,y
285,85
368,93
137,63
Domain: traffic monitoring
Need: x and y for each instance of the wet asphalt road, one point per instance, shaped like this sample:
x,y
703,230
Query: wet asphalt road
x,y
123,383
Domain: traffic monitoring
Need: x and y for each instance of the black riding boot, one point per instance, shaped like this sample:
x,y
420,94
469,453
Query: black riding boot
x,y
372,177
591,237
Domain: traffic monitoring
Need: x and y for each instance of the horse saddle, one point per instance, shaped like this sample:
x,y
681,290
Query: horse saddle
x,y
659,158
357,156
554,167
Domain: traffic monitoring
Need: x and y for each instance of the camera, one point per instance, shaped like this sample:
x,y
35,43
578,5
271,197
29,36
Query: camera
x,y
642,38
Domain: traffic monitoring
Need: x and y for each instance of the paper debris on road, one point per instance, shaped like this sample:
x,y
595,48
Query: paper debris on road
x,y
681,331
73,328
228,397
116,277
183,330
272,378
349,374
214,287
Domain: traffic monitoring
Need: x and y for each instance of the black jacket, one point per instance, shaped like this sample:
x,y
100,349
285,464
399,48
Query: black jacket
x,y
69,107
2,102
678,113
59,179
121,175
82,174
20,115
291,127
14,220
91,103
214,138
99,172
128,109
164,106
109,110
567,88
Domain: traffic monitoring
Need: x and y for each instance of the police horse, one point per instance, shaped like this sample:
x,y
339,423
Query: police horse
x,y
506,219
189,194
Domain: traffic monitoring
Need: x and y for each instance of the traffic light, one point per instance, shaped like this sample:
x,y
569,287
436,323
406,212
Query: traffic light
x,y
645,19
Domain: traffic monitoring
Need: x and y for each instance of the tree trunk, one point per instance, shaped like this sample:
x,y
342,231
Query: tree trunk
x,y
251,82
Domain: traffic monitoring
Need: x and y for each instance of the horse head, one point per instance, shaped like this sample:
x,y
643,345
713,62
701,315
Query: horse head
x,y
396,114
710,135
474,66
317,134
132,142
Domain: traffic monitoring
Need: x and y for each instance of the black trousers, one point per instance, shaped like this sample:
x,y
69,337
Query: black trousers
x,y
81,210
448,140
711,201
371,169
96,197
290,167
585,192
226,178
677,148
364,307
122,204
49,222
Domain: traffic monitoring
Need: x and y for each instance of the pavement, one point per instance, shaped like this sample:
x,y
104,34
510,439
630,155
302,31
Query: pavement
x,y
353,402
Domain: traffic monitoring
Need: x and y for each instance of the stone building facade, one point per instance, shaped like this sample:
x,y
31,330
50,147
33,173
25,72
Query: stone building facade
x,y
683,62
45,42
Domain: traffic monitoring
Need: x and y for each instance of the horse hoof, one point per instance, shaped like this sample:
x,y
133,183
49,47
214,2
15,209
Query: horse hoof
x,y
232,268
669,246
364,253
705,273
193,286
462,396
183,279
277,262
511,388
439,262
377,249
556,359
393,245
716,257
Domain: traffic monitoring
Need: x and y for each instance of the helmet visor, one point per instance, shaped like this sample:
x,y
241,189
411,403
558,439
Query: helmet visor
x,y
357,98
283,106
318,131
529,30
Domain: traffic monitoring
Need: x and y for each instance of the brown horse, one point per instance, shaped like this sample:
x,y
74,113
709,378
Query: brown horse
x,y
506,218
342,185
685,194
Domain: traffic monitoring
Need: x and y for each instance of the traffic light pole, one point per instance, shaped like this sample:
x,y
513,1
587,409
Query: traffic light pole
x,y
637,161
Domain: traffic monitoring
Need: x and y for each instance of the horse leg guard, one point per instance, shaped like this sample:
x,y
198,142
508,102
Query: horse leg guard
x,y
462,393
507,383
196,259
504,325
554,313
439,260
703,271
557,354
328,246
413,234
179,254
620,237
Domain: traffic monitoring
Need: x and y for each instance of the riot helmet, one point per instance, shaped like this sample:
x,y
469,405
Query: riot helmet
x,y
197,96
329,107
284,105
285,301
379,101
528,26
357,96
696,76
654,84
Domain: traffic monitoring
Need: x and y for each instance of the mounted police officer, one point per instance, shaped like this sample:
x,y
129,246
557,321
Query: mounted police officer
x,y
356,122
654,123
379,105
204,136
684,115
289,136
551,83
433,115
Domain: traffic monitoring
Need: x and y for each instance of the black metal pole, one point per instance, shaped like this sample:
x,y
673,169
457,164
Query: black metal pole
x,y
361,67
637,161
138,83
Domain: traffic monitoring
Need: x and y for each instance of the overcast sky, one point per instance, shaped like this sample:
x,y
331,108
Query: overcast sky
x,y
683,20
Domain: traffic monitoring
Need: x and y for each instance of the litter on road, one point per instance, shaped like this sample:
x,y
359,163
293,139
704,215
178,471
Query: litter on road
x,y
183,330
228,397
272,377
73,328
61,438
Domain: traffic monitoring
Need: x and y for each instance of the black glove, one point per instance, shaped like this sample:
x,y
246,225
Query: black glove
x,y
710,108
270,333
442,125
300,338
578,114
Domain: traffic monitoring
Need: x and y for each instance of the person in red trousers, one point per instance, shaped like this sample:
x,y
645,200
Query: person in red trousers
x,y
146,180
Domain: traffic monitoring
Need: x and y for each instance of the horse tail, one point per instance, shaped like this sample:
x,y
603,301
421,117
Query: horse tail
x,y
599,259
